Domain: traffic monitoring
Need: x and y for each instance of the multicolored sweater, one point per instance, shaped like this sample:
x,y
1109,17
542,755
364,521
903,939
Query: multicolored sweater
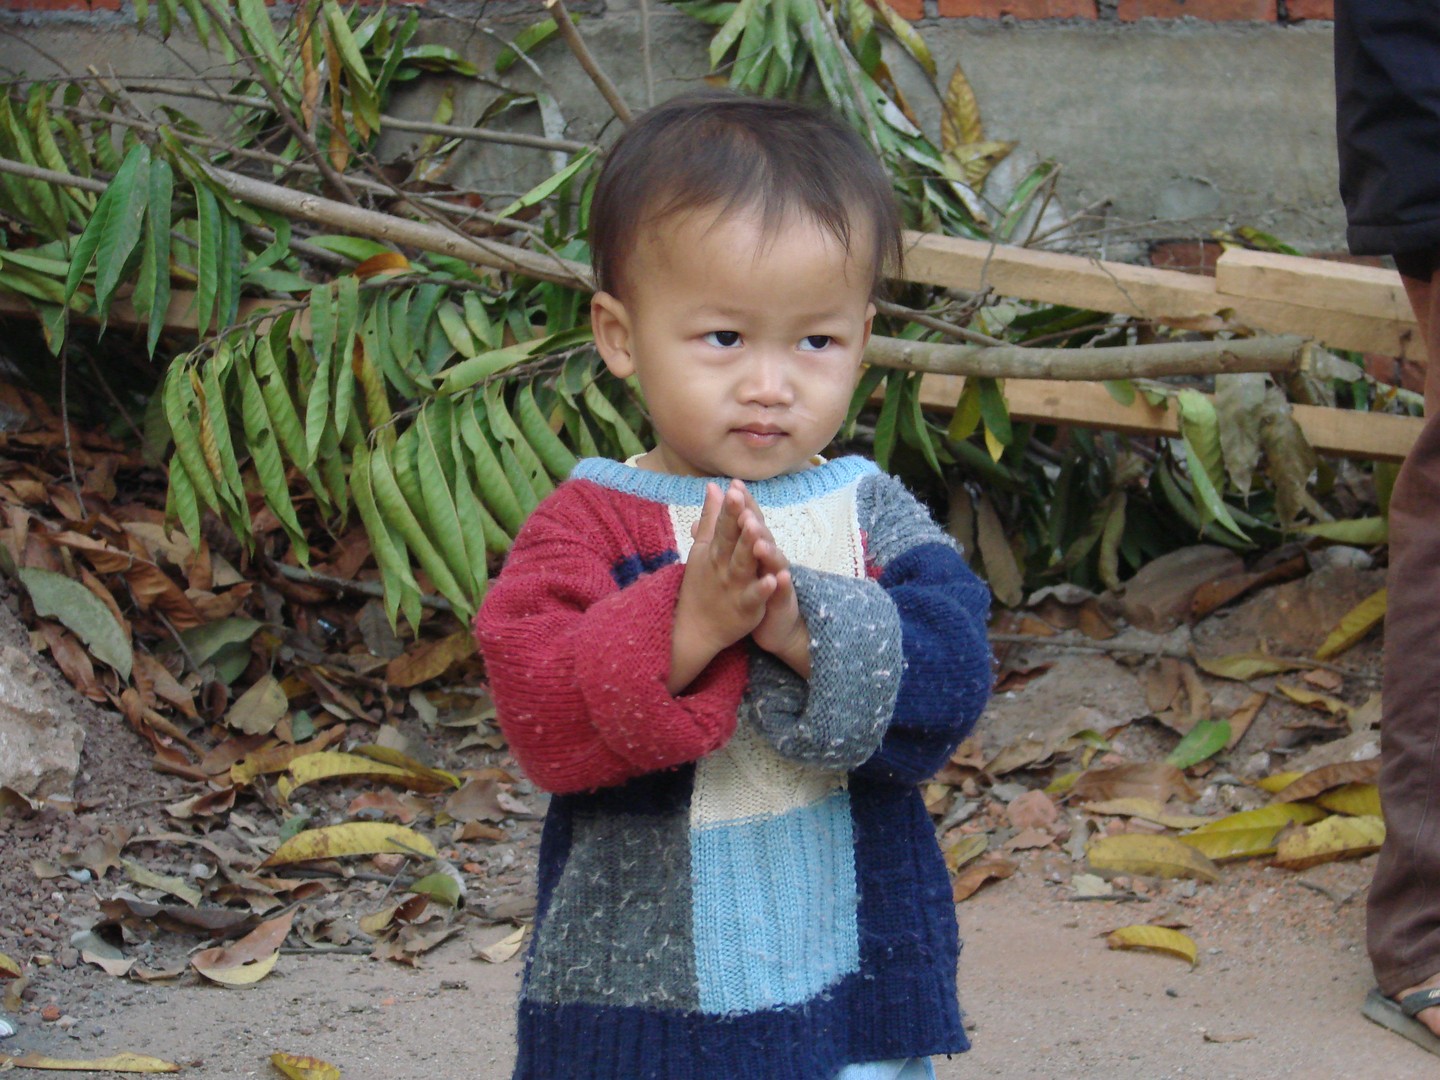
x,y
741,881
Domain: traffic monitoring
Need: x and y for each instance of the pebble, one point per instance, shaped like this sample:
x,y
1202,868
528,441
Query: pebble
x,y
50,1013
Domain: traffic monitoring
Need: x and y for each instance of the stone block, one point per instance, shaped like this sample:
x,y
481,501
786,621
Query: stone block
x,y
1214,10
39,747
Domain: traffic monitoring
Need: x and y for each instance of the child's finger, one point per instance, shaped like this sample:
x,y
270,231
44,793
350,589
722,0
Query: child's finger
x,y
727,525
704,529
743,562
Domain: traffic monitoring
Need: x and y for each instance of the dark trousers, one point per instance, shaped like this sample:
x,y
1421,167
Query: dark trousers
x,y
1404,906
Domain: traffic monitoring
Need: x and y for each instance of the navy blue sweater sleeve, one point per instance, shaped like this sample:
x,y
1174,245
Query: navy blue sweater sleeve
x,y
943,608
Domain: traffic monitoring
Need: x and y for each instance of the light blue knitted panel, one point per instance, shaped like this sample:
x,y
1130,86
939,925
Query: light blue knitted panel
x,y
775,907
796,487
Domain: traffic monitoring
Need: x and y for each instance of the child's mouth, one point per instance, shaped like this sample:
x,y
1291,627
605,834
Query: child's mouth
x,y
759,436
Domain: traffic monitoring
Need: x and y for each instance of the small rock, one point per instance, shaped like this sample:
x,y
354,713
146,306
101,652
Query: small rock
x,y
1033,810
68,958
50,1013
69,1023
1158,597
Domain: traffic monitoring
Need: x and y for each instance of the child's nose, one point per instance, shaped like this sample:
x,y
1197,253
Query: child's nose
x,y
767,380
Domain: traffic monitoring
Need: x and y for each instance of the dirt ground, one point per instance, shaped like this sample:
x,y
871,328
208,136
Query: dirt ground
x,y
1276,992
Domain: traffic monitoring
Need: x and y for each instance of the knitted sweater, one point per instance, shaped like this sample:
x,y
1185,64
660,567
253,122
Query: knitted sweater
x,y
741,881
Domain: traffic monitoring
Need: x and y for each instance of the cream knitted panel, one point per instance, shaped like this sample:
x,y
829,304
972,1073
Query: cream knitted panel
x,y
747,779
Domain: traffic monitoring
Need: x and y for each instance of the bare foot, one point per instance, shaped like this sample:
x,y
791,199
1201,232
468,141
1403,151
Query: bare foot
x,y
1429,1017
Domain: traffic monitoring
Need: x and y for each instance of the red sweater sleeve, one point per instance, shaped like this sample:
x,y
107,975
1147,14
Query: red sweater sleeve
x,y
577,664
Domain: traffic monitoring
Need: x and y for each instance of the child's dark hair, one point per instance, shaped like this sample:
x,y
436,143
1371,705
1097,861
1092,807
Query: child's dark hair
x,y
719,148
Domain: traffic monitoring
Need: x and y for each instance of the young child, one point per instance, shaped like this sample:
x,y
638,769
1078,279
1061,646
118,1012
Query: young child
x,y
731,660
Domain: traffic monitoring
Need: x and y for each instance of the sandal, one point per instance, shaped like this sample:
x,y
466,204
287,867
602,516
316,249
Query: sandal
x,y
1399,1016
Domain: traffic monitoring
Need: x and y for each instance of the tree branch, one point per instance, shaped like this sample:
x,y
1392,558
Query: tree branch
x,y
582,53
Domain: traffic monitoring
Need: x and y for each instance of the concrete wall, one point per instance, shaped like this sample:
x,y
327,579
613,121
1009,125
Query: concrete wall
x,y
1176,126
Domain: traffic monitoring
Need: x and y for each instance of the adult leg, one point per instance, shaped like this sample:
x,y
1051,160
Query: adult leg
x,y
1404,906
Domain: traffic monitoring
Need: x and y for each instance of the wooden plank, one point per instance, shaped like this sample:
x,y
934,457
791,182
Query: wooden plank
x,y
1335,432
1313,283
1374,319
1335,328
1052,278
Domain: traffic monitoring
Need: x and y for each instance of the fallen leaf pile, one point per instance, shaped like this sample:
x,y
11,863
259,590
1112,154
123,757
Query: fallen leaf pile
x,y
312,738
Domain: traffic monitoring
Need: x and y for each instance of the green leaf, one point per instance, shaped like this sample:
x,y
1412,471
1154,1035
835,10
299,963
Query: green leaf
x,y
347,313
401,589
1200,427
1110,541
914,429
182,411
1359,532
553,453
56,596
207,270
322,338
180,503
908,37
966,418
152,284
728,34
1210,505
260,439
495,491
1206,739
278,404
994,411
442,518
207,641
546,188
505,428
396,511
601,408
130,190
887,426
1122,390
525,42
453,324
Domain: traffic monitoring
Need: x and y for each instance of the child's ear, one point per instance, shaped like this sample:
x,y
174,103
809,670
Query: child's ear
x,y
869,324
611,324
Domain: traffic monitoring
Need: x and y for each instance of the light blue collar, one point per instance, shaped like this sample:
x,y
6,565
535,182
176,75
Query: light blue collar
x,y
796,487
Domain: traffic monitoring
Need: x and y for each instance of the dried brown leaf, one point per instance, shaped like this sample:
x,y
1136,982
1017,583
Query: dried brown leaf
x,y
1144,780
1330,776
978,873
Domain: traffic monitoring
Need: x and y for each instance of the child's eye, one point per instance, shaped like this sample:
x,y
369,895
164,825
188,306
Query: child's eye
x,y
815,342
723,339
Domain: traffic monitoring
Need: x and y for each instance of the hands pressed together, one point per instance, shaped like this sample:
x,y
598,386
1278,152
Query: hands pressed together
x,y
737,583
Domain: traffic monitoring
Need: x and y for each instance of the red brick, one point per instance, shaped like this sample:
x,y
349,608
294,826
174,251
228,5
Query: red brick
x,y
59,5
909,9
1310,9
1192,256
1019,9
1215,10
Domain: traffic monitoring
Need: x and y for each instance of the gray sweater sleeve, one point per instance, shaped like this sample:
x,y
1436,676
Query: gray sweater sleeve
x,y
838,718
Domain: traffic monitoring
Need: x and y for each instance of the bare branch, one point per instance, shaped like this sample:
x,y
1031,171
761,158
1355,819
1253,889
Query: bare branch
x,y
582,53
1119,362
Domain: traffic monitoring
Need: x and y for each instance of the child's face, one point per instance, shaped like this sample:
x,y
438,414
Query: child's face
x,y
747,346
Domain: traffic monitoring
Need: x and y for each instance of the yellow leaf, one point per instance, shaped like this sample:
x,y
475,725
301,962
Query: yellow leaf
x,y
1062,783
960,115
1327,777
1356,800
247,961
1278,781
1331,839
1146,810
259,709
994,445
1314,699
1354,625
355,838
391,756
304,1068
1243,666
968,849
123,1063
9,969
1158,938
503,949
332,764
1153,856
384,262
1249,833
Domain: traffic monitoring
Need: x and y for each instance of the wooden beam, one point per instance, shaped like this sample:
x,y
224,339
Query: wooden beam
x,y
1339,304
1334,432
